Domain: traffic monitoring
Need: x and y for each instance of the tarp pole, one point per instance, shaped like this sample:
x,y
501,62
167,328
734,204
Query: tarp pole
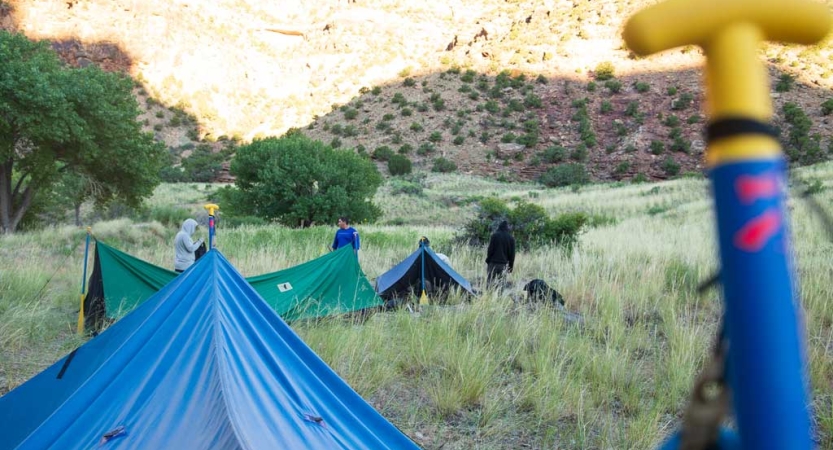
x,y
80,327
766,340
423,299
211,207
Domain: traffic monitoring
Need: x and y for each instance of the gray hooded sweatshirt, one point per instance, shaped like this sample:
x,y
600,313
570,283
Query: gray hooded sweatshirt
x,y
183,247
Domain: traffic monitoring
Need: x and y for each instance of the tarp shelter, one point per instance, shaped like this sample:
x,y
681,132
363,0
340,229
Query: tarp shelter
x,y
328,285
407,277
203,364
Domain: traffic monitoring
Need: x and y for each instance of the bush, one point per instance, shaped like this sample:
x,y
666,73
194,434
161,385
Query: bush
x,y
426,148
530,224
565,175
554,154
300,182
682,102
443,165
785,83
657,147
350,113
402,186
170,216
632,109
399,165
604,71
383,153
670,166
642,87
827,107
203,165
405,149
614,86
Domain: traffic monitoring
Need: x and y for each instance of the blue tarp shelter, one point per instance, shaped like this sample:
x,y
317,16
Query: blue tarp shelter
x,y
203,364
407,277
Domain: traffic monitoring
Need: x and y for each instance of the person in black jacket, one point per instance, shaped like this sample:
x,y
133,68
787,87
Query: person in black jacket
x,y
500,258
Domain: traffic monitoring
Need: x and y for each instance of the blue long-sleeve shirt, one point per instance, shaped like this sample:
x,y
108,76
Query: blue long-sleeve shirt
x,y
346,236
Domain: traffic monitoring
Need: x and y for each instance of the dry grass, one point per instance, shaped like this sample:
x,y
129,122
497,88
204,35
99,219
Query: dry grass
x,y
485,374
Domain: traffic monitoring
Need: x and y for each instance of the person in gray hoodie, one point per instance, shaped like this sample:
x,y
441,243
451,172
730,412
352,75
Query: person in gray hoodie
x,y
183,247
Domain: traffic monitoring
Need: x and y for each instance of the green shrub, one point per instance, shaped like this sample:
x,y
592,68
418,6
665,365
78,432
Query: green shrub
x,y
657,147
399,165
785,83
459,140
435,137
376,90
402,186
632,109
350,113
682,102
671,91
204,164
606,107
642,87
591,86
170,216
579,153
382,153
530,225
670,166
671,121
492,106
532,101
565,175
277,177
622,168
443,165
605,71
827,107
416,126
408,82
335,143
405,149
680,144
426,148
554,154
614,86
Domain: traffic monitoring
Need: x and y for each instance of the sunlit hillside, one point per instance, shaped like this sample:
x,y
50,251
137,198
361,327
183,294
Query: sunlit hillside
x,y
243,69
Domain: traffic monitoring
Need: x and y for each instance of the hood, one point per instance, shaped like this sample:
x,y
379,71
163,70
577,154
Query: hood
x,y
189,226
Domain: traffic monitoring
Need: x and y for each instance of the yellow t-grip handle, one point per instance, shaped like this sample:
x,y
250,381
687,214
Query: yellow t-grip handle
x,y
211,207
730,32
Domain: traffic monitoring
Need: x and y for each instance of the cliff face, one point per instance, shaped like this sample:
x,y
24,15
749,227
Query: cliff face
x,y
243,69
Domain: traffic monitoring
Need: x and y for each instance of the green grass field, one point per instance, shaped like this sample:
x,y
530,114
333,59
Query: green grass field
x,y
486,374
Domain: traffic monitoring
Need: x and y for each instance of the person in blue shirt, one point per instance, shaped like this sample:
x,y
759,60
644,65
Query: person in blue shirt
x,y
346,235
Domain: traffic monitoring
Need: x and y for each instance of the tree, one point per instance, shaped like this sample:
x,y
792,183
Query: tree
x,y
55,120
301,182
204,165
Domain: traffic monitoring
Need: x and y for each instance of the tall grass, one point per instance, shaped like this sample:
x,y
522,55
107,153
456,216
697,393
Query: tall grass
x,y
488,373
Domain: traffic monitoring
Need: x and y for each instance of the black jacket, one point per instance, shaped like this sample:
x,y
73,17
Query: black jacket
x,y
501,249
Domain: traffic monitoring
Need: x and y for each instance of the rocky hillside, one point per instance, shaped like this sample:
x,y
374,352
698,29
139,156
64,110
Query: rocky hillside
x,y
508,88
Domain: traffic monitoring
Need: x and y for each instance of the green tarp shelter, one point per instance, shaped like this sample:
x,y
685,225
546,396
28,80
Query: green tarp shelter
x,y
328,285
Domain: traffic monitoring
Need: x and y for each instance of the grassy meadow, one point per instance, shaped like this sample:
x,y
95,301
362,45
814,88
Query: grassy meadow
x,y
487,374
